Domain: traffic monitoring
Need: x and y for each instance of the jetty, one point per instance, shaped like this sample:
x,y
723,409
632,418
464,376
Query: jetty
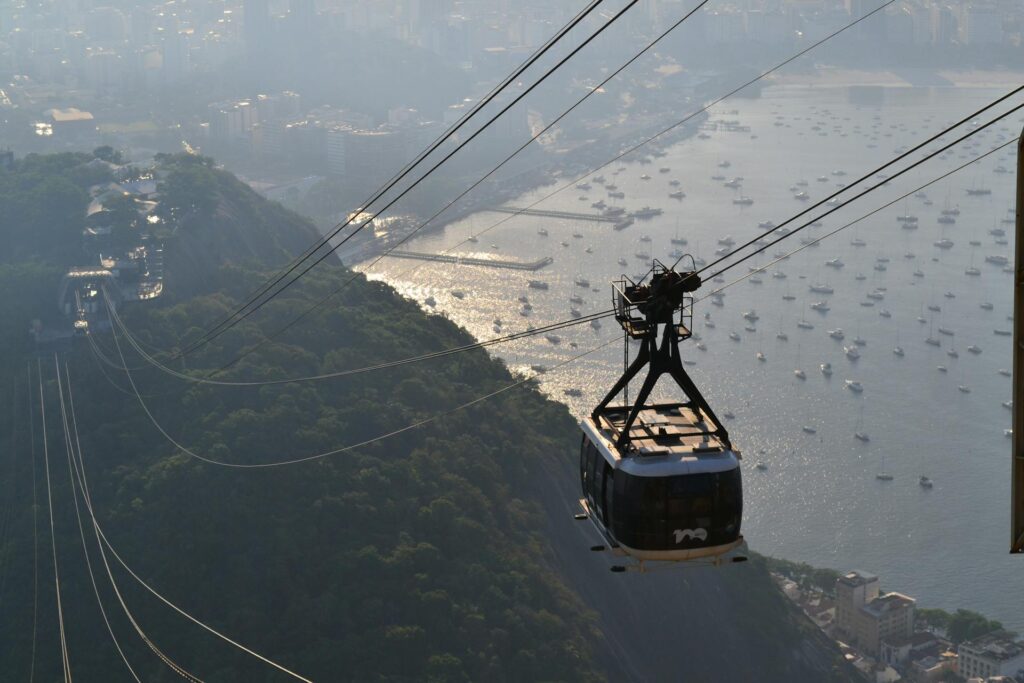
x,y
474,261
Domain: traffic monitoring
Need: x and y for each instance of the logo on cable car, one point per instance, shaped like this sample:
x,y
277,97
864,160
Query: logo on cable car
x,y
683,534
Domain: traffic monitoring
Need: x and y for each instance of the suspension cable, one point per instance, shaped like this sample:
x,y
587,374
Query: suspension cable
x,y
78,516
430,149
167,602
65,661
332,248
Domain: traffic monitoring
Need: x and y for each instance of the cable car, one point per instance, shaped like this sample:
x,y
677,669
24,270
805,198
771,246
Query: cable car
x,y
660,481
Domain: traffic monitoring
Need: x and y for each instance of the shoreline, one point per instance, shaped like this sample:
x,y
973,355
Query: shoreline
x,y
838,77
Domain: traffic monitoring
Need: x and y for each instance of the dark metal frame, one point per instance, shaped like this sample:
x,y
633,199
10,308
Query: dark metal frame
x,y
1017,467
663,306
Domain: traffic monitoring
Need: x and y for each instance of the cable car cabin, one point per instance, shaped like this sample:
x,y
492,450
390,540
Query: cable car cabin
x,y
676,496
660,481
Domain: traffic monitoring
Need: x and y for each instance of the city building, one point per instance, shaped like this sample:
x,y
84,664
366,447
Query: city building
x,y
994,654
865,617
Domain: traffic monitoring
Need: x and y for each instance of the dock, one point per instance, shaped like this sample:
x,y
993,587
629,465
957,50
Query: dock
x,y
570,215
472,261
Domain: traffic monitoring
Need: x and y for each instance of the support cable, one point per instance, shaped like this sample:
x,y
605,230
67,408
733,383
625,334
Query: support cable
x,y
210,335
432,147
292,461
65,661
35,529
105,542
78,516
608,313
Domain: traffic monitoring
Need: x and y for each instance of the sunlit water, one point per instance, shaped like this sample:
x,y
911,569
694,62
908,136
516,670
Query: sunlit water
x,y
819,500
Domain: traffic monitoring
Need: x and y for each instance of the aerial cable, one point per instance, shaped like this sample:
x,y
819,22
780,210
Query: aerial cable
x,y
244,313
83,485
604,314
78,516
868,190
430,149
318,456
119,324
518,212
101,536
35,528
599,315
873,173
817,240
9,503
65,661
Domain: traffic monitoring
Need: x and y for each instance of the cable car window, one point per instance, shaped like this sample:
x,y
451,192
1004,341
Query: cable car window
x,y
608,490
593,491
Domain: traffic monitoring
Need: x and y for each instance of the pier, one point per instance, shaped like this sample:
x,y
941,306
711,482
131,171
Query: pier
x,y
599,218
472,261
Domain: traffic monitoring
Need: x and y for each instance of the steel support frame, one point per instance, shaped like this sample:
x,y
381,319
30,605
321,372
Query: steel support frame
x,y
661,359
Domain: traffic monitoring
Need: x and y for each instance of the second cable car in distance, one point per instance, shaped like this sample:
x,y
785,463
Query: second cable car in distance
x,y
661,481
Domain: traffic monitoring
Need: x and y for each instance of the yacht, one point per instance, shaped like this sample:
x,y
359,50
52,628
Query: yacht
x,y
743,200
766,225
761,357
972,270
804,325
857,242
860,341
835,263
751,315
964,389
819,288
862,436
851,352
883,476
837,334
809,430
997,259
734,336
898,350
932,341
924,482
542,232
974,349
854,386
647,212
944,243
622,261
799,374
826,369
676,194
821,307
885,313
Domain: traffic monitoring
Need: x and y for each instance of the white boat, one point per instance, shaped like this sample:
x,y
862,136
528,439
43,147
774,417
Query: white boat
x,y
854,386
734,336
944,243
799,374
819,288
761,357
837,334
964,389
809,430
1004,372
835,263
898,350
851,352
826,369
974,349
751,315
804,325
860,341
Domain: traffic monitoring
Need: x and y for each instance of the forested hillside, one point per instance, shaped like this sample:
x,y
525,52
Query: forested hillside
x,y
446,552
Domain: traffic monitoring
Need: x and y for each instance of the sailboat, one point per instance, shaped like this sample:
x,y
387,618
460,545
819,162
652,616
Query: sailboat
x,y
883,475
859,432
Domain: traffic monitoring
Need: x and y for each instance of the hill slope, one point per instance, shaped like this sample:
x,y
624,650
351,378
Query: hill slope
x,y
444,553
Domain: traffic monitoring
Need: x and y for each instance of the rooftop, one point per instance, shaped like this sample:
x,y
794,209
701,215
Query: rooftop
x,y
663,429
857,577
889,603
997,645
69,115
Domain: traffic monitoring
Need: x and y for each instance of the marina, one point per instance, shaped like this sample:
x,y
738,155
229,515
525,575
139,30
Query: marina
x,y
894,377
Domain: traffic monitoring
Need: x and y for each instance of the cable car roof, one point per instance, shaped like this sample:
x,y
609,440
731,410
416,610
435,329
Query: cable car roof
x,y
661,431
